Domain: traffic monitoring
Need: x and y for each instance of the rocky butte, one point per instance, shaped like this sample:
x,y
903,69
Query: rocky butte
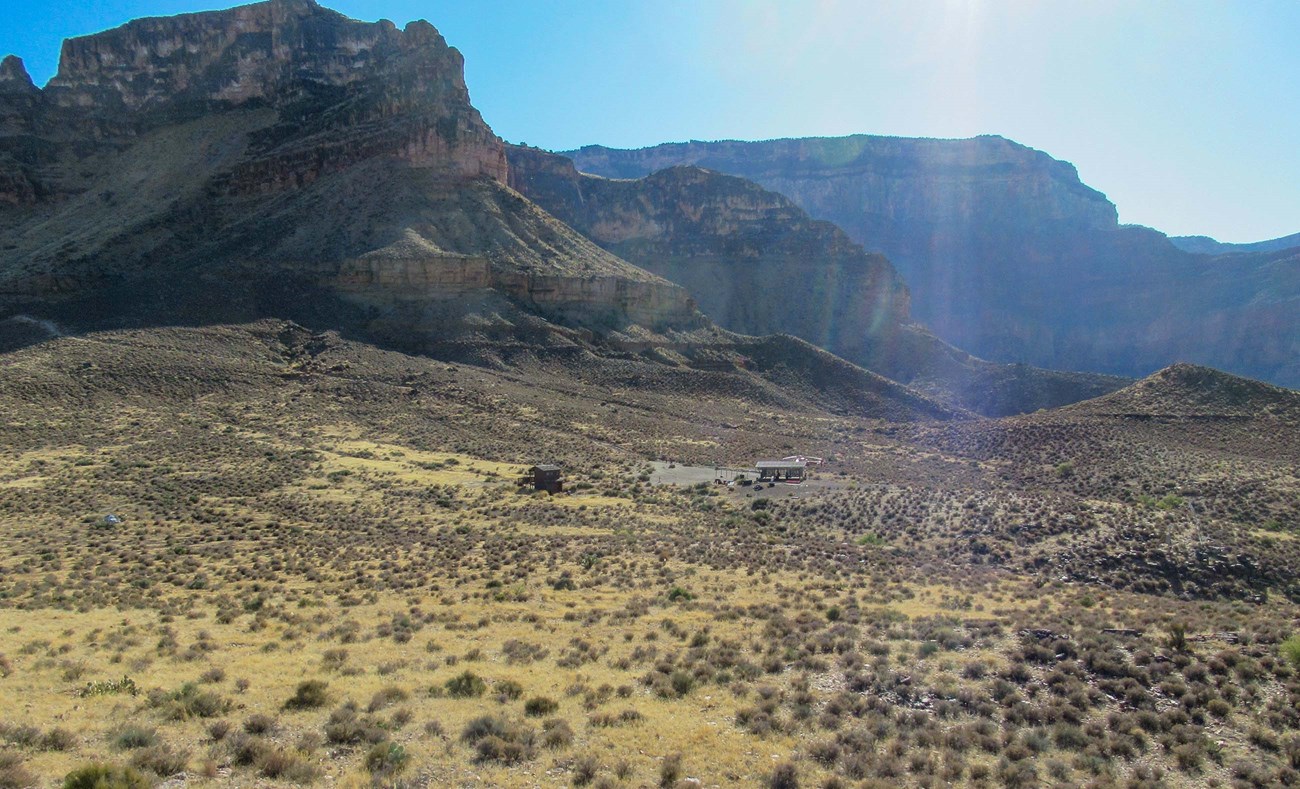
x,y
282,159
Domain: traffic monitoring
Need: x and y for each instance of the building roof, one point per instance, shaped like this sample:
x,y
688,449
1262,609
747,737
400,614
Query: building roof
x,y
781,464
546,467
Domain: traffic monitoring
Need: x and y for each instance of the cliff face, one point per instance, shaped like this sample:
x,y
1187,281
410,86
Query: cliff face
x,y
372,88
866,184
262,51
280,158
758,264
1009,255
755,262
20,103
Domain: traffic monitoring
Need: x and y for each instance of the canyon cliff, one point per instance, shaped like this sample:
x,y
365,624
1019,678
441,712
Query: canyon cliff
x,y
279,160
282,159
759,264
1009,255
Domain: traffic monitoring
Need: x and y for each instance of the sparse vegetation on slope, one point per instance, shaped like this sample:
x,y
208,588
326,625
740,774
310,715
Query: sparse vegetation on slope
x,y
321,570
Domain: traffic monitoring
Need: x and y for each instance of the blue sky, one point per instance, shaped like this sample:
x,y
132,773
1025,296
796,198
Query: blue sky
x,y
1183,112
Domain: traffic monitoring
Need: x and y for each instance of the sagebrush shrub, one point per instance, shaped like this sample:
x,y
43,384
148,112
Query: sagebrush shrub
x,y
105,776
310,694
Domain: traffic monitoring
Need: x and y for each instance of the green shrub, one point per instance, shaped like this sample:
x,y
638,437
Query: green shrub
x,y
189,702
1177,638
466,685
105,776
682,682
132,736
1170,502
1290,650
508,689
310,694
540,706
387,758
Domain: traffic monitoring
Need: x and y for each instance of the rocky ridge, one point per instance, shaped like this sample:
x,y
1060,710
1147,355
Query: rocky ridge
x,y
1188,391
758,264
1204,245
1010,256
282,159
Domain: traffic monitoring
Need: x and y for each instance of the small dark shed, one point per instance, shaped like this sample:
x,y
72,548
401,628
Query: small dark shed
x,y
547,477
782,470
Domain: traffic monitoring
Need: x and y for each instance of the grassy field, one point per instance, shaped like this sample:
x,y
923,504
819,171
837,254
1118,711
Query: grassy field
x,y
334,579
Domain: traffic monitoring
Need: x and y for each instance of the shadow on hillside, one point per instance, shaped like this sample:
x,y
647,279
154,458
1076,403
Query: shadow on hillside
x,y
185,302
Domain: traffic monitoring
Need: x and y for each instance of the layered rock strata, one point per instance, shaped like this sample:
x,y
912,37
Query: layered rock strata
x,y
1009,255
290,159
758,264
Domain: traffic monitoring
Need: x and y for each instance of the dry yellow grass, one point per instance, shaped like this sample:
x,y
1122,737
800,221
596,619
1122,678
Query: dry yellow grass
x,y
934,591
700,724
56,653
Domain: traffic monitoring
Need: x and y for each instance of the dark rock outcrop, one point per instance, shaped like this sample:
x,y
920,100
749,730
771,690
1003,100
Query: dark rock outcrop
x,y
1008,255
280,158
14,77
342,91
